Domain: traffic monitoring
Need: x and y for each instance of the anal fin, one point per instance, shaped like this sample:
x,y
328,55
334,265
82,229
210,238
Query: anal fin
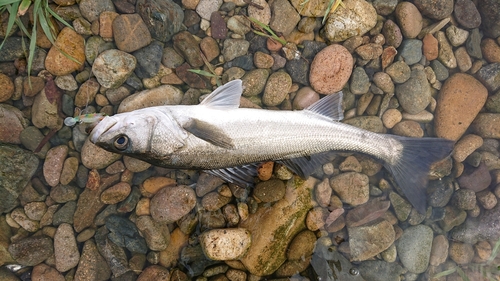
x,y
305,166
242,176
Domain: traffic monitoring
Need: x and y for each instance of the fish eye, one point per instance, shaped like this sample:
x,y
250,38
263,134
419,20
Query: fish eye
x,y
121,142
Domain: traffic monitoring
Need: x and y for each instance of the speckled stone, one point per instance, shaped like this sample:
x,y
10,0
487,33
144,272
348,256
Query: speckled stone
x,y
330,69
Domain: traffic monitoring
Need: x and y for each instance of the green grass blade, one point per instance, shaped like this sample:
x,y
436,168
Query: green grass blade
x,y
494,252
327,12
202,72
12,19
57,17
23,8
445,273
7,2
462,274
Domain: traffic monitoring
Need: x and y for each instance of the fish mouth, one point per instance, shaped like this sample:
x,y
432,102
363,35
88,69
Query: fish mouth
x,y
103,127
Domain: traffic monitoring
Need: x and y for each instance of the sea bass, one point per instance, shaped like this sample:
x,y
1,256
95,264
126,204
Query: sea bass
x,y
228,141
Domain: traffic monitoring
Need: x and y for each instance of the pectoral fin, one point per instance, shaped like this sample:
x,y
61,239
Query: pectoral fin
x,y
209,133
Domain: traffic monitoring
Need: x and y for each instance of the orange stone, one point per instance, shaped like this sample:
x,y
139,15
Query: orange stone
x,y
459,101
68,43
430,47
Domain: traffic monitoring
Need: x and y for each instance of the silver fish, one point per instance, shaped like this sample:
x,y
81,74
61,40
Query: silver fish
x,y
218,136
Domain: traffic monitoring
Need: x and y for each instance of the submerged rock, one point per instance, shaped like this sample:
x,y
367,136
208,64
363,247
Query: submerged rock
x,y
273,227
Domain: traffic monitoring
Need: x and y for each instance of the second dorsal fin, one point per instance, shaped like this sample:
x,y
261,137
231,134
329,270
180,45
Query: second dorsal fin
x,y
225,96
329,106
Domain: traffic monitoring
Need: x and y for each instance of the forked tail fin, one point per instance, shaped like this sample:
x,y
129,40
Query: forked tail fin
x,y
412,169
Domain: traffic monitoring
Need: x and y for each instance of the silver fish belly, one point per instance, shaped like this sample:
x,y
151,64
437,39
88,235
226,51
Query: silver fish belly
x,y
218,136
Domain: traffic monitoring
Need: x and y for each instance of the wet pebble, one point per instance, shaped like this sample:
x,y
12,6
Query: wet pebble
x,y
453,217
225,244
464,199
487,125
157,235
456,35
298,70
369,240
172,203
64,214
392,33
357,19
68,44
435,9
116,193
465,146
401,206
409,19
305,97
414,248
8,87
269,191
124,233
214,201
20,217
414,94
285,17
467,14
43,272
490,50
234,48
92,265
113,67
445,54
302,245
487,199
439,250
358,191
154,272
399,71
94,157
475,179
410,51
130,33
277,88
12,124
32,250
162,95
408,128
461,253
360,83
330,69
254,82
454,115
65,248
366,213
391,117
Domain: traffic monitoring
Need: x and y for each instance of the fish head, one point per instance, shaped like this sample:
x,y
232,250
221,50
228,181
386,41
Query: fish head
x,y
147,134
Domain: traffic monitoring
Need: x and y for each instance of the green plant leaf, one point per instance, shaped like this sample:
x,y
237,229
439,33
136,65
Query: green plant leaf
x,y
202,72
7,2
12,17
25,4
445,273
462,274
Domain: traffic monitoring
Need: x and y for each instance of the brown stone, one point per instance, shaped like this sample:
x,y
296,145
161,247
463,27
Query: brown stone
x,y
459,101
7,87
490,50
130,32
106,19
430,47
68,43
331,69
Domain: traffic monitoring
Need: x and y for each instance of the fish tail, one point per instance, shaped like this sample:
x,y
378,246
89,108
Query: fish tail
x,y
411,170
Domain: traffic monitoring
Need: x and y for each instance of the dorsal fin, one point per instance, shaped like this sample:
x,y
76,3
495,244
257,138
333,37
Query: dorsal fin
x,y
226,96
329,106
